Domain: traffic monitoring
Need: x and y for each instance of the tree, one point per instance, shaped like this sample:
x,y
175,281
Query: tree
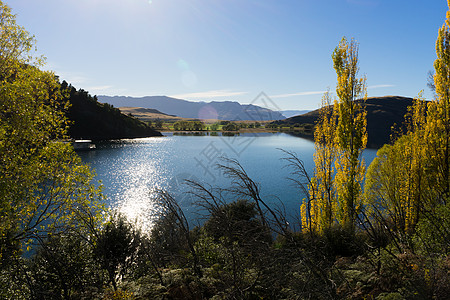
x,y
116,247
214,127
320,211
351,135
230,127
173,219
438,117
44,187
408,183
16,45
395,185
63,268
423,154
158,123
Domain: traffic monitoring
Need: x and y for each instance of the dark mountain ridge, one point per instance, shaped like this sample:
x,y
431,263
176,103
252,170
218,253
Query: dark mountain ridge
x,y
90,119
382,114
221,110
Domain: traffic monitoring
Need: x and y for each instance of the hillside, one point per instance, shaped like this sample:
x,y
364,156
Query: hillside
x,y
293,113
96,121
382,114
221,110
149,114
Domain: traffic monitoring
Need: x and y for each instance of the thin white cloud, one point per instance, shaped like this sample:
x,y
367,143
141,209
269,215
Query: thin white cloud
x,y
209,94
99,88
76,79
322,92
379,86
298,94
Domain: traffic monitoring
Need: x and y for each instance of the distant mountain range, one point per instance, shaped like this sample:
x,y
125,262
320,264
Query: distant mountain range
x,y
382,114
221,110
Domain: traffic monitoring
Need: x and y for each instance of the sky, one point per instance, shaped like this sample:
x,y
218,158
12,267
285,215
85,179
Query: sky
x,y
217,50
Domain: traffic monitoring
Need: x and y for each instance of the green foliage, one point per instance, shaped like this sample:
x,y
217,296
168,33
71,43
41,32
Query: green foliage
x,y
408,183
237,222
116,247
189,125
245,249
48,205
230,127
214,127
433,230
168,242
158,123
407,192
16,45
44,188
64,267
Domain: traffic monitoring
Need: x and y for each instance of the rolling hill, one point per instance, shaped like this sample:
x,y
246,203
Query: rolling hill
x,y
382,114
149,114
221,110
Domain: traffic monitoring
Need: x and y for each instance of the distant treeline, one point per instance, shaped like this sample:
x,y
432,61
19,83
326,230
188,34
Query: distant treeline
x,y
222,125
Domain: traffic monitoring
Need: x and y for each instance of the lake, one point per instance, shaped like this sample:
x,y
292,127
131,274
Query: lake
x,y
130,170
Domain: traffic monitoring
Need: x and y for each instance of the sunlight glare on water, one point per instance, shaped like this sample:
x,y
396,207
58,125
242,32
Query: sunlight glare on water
x,y
131,171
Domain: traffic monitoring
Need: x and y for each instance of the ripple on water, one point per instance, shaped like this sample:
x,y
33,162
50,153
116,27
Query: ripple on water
x,y
131,171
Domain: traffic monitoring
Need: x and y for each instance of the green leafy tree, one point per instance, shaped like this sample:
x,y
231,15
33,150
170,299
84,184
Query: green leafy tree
x,y
230,127
44,187
214,127
116,247
158,123
64,268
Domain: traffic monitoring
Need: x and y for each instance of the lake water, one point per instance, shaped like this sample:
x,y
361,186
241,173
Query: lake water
x,y
131,170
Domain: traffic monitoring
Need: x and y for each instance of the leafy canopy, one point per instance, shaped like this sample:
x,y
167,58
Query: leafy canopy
x,y
44,187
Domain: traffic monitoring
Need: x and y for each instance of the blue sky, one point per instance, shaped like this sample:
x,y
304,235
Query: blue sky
x,y
233,49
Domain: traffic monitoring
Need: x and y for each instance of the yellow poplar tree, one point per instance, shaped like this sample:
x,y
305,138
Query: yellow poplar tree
x,y
319,212
395,182
351,135
438,117
408,184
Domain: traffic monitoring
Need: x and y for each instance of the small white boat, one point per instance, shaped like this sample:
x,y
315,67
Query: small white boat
x,y
83,145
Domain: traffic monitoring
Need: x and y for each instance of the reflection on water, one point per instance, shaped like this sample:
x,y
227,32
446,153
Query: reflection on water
x,y
131,170
191,133
204,133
